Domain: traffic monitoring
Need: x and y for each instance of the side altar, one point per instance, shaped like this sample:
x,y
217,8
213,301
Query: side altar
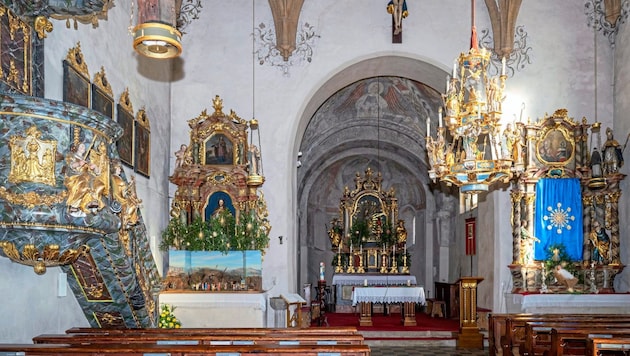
x,y
369,241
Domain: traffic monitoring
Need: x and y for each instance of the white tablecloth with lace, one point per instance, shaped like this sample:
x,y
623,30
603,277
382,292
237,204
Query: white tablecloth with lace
x,y
388,295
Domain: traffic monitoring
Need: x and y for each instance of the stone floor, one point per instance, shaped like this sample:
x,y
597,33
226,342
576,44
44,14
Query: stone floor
x,y
424,351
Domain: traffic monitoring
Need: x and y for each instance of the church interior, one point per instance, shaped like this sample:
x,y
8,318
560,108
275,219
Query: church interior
x,y
234,159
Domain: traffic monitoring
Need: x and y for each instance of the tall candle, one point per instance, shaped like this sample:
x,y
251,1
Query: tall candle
x,y
351,248
394,249
428,126
503,66
455,70
448,83
361,249
405,249
440,117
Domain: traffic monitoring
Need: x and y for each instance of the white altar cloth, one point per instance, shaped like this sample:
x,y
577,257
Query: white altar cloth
x,y
388,295
373,279
213,310
569,303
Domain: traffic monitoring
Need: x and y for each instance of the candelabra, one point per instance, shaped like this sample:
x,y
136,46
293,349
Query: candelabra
x,y
405,268
339,268
383,262
350,268
360,268
394,268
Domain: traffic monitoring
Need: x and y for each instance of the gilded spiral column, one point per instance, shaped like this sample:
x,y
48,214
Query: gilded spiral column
x,y
588,215
612,202
516,197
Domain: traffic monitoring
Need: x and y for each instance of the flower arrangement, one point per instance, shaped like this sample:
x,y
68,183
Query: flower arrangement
x,y
168,319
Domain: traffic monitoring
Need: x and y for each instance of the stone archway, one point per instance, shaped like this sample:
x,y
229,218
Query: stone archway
x,y
377,122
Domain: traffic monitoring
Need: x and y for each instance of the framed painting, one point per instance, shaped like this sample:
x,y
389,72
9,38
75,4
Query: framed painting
x,y
219,150
76,87
76,78
125,144
102,97
555,147
142,150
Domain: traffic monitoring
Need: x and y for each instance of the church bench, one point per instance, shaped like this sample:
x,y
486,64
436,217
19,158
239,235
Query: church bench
x,y
571,341
540,339
598,346
507,331
219,331
201,339
181,350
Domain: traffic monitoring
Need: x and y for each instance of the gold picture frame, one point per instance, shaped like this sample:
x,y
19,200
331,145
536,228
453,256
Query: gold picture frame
x,y
142,159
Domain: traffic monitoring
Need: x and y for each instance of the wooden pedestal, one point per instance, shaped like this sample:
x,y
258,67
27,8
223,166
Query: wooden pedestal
x,y
469,336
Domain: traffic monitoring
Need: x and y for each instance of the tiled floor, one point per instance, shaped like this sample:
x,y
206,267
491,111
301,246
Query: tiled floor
x,y
424,351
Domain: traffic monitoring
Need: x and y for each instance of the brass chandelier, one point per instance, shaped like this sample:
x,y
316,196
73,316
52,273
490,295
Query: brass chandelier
x,y
468,150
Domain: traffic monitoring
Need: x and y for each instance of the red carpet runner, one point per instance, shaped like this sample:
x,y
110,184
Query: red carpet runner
x,y
392,322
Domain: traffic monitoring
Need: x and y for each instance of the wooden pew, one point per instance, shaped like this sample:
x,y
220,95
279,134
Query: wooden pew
x,y
509,329
202,338
539,336
571,341
608,346
181,350
218,331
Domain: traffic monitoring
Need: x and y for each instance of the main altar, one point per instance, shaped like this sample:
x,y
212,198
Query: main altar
x,y
369,241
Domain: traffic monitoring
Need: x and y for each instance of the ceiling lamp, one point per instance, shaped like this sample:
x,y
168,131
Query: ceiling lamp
x,y
155,35
468,151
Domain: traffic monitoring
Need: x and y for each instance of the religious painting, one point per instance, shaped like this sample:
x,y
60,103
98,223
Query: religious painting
x,y
125,142
554,147
101,102
102,97
219,150
16,57
76,87
142,148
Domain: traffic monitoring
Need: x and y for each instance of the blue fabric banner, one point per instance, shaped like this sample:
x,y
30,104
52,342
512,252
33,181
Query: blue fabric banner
x,y
558,217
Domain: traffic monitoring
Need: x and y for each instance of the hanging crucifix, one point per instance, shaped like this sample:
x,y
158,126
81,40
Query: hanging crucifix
x,y
398,9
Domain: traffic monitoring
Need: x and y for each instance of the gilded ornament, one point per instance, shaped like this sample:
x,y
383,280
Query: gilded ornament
x,y
42,25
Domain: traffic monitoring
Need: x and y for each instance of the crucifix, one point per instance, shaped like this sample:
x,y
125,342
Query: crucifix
x,y
398,10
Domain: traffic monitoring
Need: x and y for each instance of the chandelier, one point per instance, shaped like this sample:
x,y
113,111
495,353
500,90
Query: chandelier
x,y
468,150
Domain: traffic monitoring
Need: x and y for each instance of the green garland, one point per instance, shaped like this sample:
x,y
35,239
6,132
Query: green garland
x,y
220,233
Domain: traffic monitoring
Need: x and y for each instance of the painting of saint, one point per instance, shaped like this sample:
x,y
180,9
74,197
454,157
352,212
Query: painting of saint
x,y
219,150
554,147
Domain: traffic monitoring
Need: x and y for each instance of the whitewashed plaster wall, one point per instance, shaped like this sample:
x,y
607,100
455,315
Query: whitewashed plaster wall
x,y
621,87
218,60
30,304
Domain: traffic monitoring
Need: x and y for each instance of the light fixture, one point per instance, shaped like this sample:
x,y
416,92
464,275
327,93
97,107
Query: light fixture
x,y
155,35
255,176
468,150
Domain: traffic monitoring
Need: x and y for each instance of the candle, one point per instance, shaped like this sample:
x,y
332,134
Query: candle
x,y
408,283
361,249
440,117
448,84
405,249
428,126
503,66
365,282
394,249
351,248
455,70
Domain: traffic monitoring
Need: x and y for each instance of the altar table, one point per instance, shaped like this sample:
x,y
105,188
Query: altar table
x,y
409,296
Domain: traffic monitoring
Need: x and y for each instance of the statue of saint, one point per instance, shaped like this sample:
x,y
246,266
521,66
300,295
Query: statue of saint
x,y
613,154
601,244
401,233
